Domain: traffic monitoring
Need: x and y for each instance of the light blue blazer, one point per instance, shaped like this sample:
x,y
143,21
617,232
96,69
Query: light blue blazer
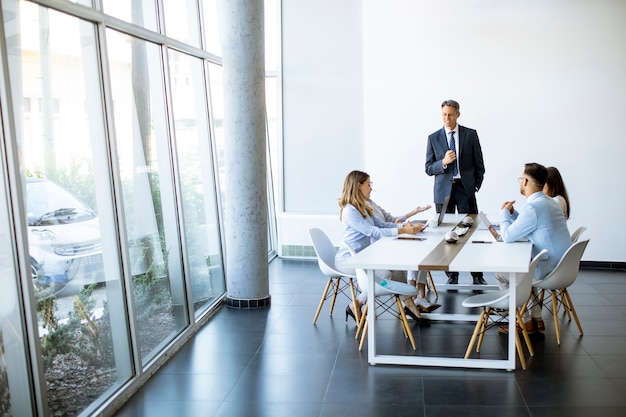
x,y
541,221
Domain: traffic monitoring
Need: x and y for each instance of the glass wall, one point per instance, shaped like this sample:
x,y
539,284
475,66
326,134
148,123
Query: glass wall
x,y
144,162
15,397
112,160
57,96
199,203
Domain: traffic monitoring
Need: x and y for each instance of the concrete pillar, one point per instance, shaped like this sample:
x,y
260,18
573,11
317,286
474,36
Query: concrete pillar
x,y
245,179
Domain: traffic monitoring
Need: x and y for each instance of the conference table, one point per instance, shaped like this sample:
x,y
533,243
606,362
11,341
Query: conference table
x,y
433,253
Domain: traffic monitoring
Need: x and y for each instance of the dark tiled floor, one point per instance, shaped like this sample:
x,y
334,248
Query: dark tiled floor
x,y
275,362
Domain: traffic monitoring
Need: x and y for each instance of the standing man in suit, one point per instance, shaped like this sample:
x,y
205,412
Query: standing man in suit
x,y
455,158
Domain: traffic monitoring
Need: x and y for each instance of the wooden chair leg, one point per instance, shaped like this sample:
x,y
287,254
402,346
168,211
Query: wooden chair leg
x,y
324,296
520,321
481,336
405,323
556,318
571,307
477,329
405,328
564,304
363,336
520,351
335,291
357,313
362,321
431,284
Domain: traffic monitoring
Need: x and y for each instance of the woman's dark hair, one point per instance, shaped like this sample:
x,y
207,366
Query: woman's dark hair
x,y
556,186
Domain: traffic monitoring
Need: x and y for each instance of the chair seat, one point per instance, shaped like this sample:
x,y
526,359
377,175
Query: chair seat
x,y
326,252
395,287
493,299
496,303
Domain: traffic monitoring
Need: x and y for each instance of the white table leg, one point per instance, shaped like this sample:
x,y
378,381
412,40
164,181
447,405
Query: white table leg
x,y
371,317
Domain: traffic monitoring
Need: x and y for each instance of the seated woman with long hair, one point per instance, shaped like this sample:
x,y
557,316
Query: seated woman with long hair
x,y
361,228
555,188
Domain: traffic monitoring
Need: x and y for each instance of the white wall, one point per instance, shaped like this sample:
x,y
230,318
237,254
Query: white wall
x,y
540,80
322,74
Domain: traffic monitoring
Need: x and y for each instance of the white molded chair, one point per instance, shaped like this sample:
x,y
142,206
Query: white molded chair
x,y
386,297
576,234
497,303
325,252
557,281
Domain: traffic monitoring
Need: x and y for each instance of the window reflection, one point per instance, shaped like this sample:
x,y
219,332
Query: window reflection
x,y
217,113
138,12
147,189
15,395
181,21
71,228
167,205
193,151
211,27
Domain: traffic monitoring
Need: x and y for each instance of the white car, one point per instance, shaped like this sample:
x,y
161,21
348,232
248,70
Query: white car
x,y
63,239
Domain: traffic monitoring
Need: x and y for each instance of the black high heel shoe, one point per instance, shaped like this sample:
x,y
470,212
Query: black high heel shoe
x,y
419,320
411,314
349,313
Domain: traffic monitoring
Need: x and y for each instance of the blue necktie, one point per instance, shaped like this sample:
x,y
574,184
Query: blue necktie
x,y
455,170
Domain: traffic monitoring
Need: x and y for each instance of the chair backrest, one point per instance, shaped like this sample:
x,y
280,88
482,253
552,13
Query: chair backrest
x,y
576,234
325,252
565,272
500,299
522,290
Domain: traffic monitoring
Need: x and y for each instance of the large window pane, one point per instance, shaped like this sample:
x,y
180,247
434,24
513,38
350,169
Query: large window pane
x,y
145,169
15,394
272,34
73,244
211,27
272,111
181,21
216,83
138,12
193,150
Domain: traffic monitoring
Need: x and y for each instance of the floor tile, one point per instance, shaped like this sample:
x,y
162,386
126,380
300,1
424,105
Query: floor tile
x,y
275,362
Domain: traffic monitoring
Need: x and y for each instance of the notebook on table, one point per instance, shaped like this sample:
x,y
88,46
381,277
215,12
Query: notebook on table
x,y
483,218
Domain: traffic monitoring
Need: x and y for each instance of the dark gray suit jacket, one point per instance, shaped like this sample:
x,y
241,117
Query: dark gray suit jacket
x,y
471,165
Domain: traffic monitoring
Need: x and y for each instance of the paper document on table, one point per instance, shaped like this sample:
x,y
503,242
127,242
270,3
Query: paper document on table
x,y
483,218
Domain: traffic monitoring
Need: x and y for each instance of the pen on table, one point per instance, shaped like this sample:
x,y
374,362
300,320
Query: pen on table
x,y
480,241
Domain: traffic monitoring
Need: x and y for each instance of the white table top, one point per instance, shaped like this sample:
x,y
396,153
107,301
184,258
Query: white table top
x,y
402,255
394,254
405,255
492,257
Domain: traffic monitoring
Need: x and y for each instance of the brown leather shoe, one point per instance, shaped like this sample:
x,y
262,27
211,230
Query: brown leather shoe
x,y
539,325
505,329
530,327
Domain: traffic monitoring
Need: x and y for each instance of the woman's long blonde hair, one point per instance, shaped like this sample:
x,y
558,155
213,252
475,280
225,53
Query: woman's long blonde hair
x,y
352,195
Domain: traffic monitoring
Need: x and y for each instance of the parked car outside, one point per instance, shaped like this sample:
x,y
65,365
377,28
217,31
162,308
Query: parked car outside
x,y
63,238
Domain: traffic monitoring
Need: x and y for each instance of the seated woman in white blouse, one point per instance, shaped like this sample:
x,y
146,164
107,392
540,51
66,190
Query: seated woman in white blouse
x,y
555,188
361,228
